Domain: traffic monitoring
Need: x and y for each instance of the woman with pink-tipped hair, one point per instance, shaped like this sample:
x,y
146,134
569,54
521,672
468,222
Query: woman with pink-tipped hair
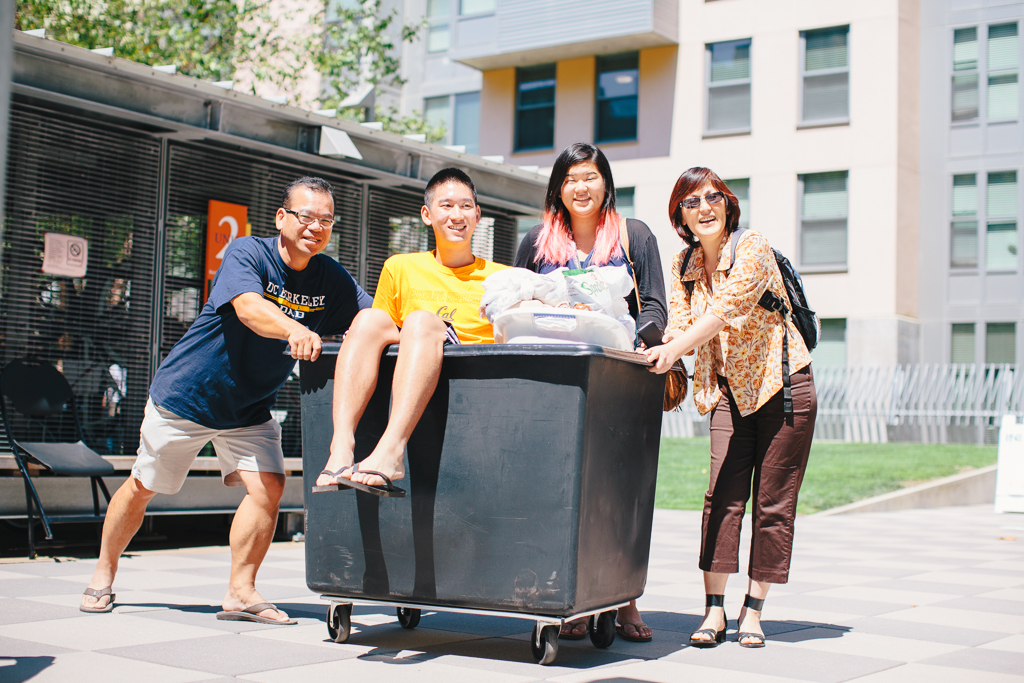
x,y
581,228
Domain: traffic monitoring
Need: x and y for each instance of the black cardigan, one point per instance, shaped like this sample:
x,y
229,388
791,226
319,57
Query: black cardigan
x,y
643,250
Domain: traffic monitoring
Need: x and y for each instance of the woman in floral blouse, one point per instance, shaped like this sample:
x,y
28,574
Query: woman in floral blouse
x,y
713,309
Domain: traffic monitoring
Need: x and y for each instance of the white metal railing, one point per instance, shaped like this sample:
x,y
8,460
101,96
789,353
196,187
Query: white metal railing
x,y
926,403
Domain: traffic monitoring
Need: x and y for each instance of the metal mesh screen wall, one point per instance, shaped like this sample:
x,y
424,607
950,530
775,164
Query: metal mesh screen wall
x,y
70,176
395,228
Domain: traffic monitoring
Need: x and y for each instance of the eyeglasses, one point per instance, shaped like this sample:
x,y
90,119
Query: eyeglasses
x,y
694,202
325,223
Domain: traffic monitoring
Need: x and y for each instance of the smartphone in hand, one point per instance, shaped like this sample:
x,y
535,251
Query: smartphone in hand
x,y
650,334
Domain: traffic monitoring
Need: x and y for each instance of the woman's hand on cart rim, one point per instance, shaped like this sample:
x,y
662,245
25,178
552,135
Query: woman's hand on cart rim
x,y
664,356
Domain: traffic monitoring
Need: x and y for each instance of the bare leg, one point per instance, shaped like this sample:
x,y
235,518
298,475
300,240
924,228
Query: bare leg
x,y
714,617
251,533
124,516
420,350
355,378
632,623
750,619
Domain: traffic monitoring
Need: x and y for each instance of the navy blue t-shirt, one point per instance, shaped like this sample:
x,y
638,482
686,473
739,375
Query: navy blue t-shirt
x,y
223,375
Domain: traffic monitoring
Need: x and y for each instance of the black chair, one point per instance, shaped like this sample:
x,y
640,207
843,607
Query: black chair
x,y
42,398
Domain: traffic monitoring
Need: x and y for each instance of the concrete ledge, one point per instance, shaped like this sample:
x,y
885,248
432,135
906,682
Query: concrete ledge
x,y
975,487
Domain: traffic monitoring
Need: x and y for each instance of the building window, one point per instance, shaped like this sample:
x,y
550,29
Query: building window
x,y
466,131
1001,218
741,188
477,6
823,213
459,115
439,37
618,79
1001,343
535,107
831,348
963,251
965,74
625,201
962,344
1002,101
728,90
825,76
436,113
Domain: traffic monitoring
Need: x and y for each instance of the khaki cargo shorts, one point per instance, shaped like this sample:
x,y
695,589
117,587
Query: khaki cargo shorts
x,y
168,444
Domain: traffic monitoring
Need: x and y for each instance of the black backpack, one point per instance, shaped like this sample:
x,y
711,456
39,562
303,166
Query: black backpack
x,y
803,317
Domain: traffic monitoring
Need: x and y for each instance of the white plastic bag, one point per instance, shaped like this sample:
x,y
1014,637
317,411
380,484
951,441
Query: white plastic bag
x,y
506,288
602,289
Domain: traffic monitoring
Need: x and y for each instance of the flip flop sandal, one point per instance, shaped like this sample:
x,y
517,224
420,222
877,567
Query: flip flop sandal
x,y
338,486
99,593
252,613
389,490
569,635
632,637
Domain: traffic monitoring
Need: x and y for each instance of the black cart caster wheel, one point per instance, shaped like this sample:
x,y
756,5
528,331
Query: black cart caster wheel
x,y
602,629
408,617
544,643
339,622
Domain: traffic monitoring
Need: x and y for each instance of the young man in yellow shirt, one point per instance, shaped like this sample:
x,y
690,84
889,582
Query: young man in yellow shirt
x,y
420,299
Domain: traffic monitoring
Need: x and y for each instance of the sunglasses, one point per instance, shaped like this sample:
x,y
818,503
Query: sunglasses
x,y
694,202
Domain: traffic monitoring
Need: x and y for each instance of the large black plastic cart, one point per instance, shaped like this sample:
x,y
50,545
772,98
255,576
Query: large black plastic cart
x,y
531,480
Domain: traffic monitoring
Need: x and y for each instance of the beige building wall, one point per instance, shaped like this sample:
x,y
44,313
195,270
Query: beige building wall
x,y
877,294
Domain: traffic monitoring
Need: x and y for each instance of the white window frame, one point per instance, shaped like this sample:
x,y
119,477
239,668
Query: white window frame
x,y
830,268
447,21
988,74
977,71
983,224
839,121
974,331
979,241
449,135
982,72
708,86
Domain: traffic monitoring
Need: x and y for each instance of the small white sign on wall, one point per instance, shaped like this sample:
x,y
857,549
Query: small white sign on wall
x,y
65,254
1010,469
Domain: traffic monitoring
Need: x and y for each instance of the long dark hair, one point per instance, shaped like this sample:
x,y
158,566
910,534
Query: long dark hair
x,y
554,242
693,179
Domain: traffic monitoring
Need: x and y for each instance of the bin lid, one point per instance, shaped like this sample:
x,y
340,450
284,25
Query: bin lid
x,y
479,350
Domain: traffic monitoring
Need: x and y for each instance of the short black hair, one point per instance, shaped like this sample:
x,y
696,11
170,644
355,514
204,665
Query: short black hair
x,y
448,175
311,182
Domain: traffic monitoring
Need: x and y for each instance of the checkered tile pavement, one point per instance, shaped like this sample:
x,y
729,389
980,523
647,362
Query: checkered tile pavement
x,y
920,595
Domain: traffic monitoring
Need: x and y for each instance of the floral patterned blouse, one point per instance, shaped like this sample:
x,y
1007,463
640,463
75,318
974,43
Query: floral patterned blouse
x,y
751,342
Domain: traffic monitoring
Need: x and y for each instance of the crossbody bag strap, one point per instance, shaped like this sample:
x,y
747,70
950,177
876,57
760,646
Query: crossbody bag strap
x,y
624,242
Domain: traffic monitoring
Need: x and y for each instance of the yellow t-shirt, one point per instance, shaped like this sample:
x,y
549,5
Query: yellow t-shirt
x,y
417,282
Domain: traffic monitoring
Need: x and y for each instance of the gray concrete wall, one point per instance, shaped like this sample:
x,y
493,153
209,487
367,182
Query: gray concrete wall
x,y
964,295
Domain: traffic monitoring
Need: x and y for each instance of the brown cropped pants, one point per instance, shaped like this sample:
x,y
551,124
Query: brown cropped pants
x,y
769,449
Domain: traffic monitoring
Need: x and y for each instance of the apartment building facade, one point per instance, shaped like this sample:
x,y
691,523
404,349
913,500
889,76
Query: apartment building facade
x,y
972,157
808,108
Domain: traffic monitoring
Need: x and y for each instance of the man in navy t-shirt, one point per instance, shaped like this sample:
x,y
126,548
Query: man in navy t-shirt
x,y
219,381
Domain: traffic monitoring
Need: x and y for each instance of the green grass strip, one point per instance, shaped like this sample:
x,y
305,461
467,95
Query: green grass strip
x,y
837,473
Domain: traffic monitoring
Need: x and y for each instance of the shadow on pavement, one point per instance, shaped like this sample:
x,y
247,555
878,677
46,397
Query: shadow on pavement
x,y
19,669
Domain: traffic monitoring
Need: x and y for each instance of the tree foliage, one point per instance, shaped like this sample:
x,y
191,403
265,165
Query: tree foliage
x,y
348,44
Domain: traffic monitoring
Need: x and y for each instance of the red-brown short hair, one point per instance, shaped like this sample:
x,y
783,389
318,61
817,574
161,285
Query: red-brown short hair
x,y
693,179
